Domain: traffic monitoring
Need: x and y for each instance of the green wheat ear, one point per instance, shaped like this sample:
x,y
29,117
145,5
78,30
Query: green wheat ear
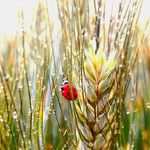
x,y
96,112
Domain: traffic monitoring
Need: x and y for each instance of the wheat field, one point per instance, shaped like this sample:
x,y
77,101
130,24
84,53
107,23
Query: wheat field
x,y
100,48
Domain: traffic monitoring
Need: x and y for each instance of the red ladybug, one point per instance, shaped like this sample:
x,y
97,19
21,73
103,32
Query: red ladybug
x,y
65,91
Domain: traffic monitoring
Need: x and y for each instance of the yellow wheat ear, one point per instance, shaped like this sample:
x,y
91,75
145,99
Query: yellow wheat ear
x,y
96,103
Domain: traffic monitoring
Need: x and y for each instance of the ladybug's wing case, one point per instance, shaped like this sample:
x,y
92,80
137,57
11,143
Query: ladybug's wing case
x,y
74,93
68,92
65,90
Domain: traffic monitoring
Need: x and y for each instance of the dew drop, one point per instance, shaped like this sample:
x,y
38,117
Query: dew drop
x,y
61,15
91,144
140,59
127,112
45,45
7,134
122,56
43,88
19,49
1,119
10,79
20,86
29,142
53,94
15,115
148,105
59,130
25,72
38,56
133,44
53,74
120,65
34,132
54,112
42,62
30,111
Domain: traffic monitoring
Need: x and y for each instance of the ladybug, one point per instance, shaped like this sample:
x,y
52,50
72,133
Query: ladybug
x,y
65,91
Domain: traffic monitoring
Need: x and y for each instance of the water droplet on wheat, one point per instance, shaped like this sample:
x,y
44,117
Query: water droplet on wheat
x,y
122,56
140,59
30,111
120,65
54,112
53,94
30,83
90,144
59,130
1,119
20,86
15,115
148,105
43,88
127,112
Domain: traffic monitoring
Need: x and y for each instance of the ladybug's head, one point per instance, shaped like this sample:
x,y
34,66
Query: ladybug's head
x,y
63,85
65,82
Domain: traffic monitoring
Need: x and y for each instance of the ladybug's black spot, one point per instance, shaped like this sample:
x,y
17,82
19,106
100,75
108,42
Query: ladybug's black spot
x,y
68,93
75,96
62,88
